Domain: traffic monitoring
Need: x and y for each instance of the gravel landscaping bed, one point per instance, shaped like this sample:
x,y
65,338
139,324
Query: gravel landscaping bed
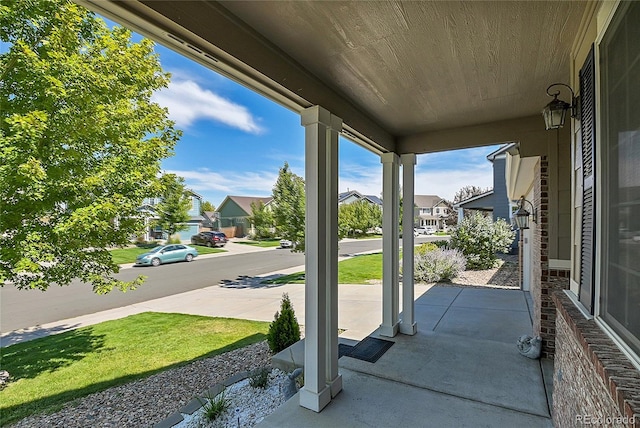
x,y
145,402
504,276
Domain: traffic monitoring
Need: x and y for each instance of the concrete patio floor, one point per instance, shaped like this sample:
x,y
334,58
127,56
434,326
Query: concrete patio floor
x,y
462,368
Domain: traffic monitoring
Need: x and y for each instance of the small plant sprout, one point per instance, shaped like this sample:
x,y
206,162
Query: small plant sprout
x,y
259,378
214,406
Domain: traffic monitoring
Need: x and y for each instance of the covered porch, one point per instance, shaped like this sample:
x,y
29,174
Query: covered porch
x,y
461,368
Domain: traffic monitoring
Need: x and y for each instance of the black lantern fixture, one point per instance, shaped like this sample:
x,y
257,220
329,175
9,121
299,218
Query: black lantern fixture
x,y
554,113
522,215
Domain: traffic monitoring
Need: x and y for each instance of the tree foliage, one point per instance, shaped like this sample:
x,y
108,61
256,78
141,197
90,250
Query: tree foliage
x,y
262,220
479,239
80,143
284,331
289,207
358,217
206,206
175,202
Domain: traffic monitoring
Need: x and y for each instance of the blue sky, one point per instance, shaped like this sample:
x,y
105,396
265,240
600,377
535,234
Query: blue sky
x,y
234,142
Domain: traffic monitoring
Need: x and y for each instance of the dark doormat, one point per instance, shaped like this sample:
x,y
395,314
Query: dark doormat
x,y
344,349
370,349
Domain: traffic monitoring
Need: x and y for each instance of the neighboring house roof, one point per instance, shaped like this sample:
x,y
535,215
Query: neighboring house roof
x,y
426,201
244,202
374,199
509,147
344,196
483,201
209,215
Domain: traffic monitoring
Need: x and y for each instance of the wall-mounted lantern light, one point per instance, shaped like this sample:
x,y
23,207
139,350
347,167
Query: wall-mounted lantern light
x,y
522,215
554,113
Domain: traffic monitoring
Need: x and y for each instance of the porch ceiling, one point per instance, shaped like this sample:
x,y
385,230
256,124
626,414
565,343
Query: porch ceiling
x,y
393,70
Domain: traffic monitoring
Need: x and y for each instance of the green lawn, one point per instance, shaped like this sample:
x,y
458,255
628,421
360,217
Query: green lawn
x,y
128,255
267,243
356,270
53,370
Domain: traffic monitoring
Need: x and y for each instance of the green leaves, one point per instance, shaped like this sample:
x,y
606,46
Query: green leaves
x,y
289,207
358,216
174,206
480,238
80,143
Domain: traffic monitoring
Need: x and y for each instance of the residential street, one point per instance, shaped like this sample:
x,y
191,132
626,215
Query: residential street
x,y
27,308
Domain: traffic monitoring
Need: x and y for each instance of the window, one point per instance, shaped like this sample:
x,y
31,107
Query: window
x,y
620,88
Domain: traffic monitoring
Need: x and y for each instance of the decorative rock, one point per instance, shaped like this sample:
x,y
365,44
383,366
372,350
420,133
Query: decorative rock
x,y
529,346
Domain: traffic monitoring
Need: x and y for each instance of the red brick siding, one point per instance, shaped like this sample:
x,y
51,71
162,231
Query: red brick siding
x,y
592,377
544,280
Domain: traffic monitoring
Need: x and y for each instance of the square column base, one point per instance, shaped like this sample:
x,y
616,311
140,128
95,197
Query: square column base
x,y
335,386
388,331
315,401
408,329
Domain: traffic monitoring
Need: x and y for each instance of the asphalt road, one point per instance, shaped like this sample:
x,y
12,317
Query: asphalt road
x,y
27,308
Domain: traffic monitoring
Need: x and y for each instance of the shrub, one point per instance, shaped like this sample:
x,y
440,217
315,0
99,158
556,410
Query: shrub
x,y
213,407
259,378
479,239
441,243
174,239
425,248
284,331
438,265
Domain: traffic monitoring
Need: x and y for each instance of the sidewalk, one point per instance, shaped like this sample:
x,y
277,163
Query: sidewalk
x,y
247,298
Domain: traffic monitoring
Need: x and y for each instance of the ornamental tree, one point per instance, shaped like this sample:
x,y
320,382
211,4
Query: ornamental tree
x,y
289,207
174,205
80,143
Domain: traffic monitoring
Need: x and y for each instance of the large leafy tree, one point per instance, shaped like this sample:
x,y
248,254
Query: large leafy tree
x,y
175,202
358,216
80,143
262,220
289,206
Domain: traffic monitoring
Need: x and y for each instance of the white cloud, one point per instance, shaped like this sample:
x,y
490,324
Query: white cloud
x,y
257,183
445,183
188,102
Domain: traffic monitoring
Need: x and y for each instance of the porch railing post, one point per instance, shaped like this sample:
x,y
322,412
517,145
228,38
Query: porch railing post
x,y
390,247
408,324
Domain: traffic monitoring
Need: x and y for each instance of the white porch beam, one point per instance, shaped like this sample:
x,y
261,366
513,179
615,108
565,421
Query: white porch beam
x,y
390,247
321,378
408,323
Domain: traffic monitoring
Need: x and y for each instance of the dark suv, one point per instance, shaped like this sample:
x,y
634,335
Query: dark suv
x,y
210,239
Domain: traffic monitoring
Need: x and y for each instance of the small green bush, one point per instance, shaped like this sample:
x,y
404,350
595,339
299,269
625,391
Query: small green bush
x,y
438,265
259,378
174,239
479,239
443,243
284,331
214,406
425,248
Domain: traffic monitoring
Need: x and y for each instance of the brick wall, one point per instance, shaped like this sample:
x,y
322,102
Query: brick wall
x,y
544,280
594,383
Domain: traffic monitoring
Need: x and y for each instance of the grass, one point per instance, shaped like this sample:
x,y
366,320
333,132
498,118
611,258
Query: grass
x,y
356,270
128,255
51,371
267,243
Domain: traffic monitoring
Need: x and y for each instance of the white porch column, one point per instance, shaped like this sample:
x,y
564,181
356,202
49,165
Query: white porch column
x,y
390,248
408,323
321,378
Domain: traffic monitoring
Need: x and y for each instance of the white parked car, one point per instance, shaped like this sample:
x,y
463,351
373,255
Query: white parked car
x,y
285,243
425,230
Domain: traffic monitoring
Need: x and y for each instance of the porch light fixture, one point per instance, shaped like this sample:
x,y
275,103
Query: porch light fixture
x,y
554,112
522,215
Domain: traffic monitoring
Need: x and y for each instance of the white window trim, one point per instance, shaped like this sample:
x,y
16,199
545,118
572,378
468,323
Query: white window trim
x,y
600,211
